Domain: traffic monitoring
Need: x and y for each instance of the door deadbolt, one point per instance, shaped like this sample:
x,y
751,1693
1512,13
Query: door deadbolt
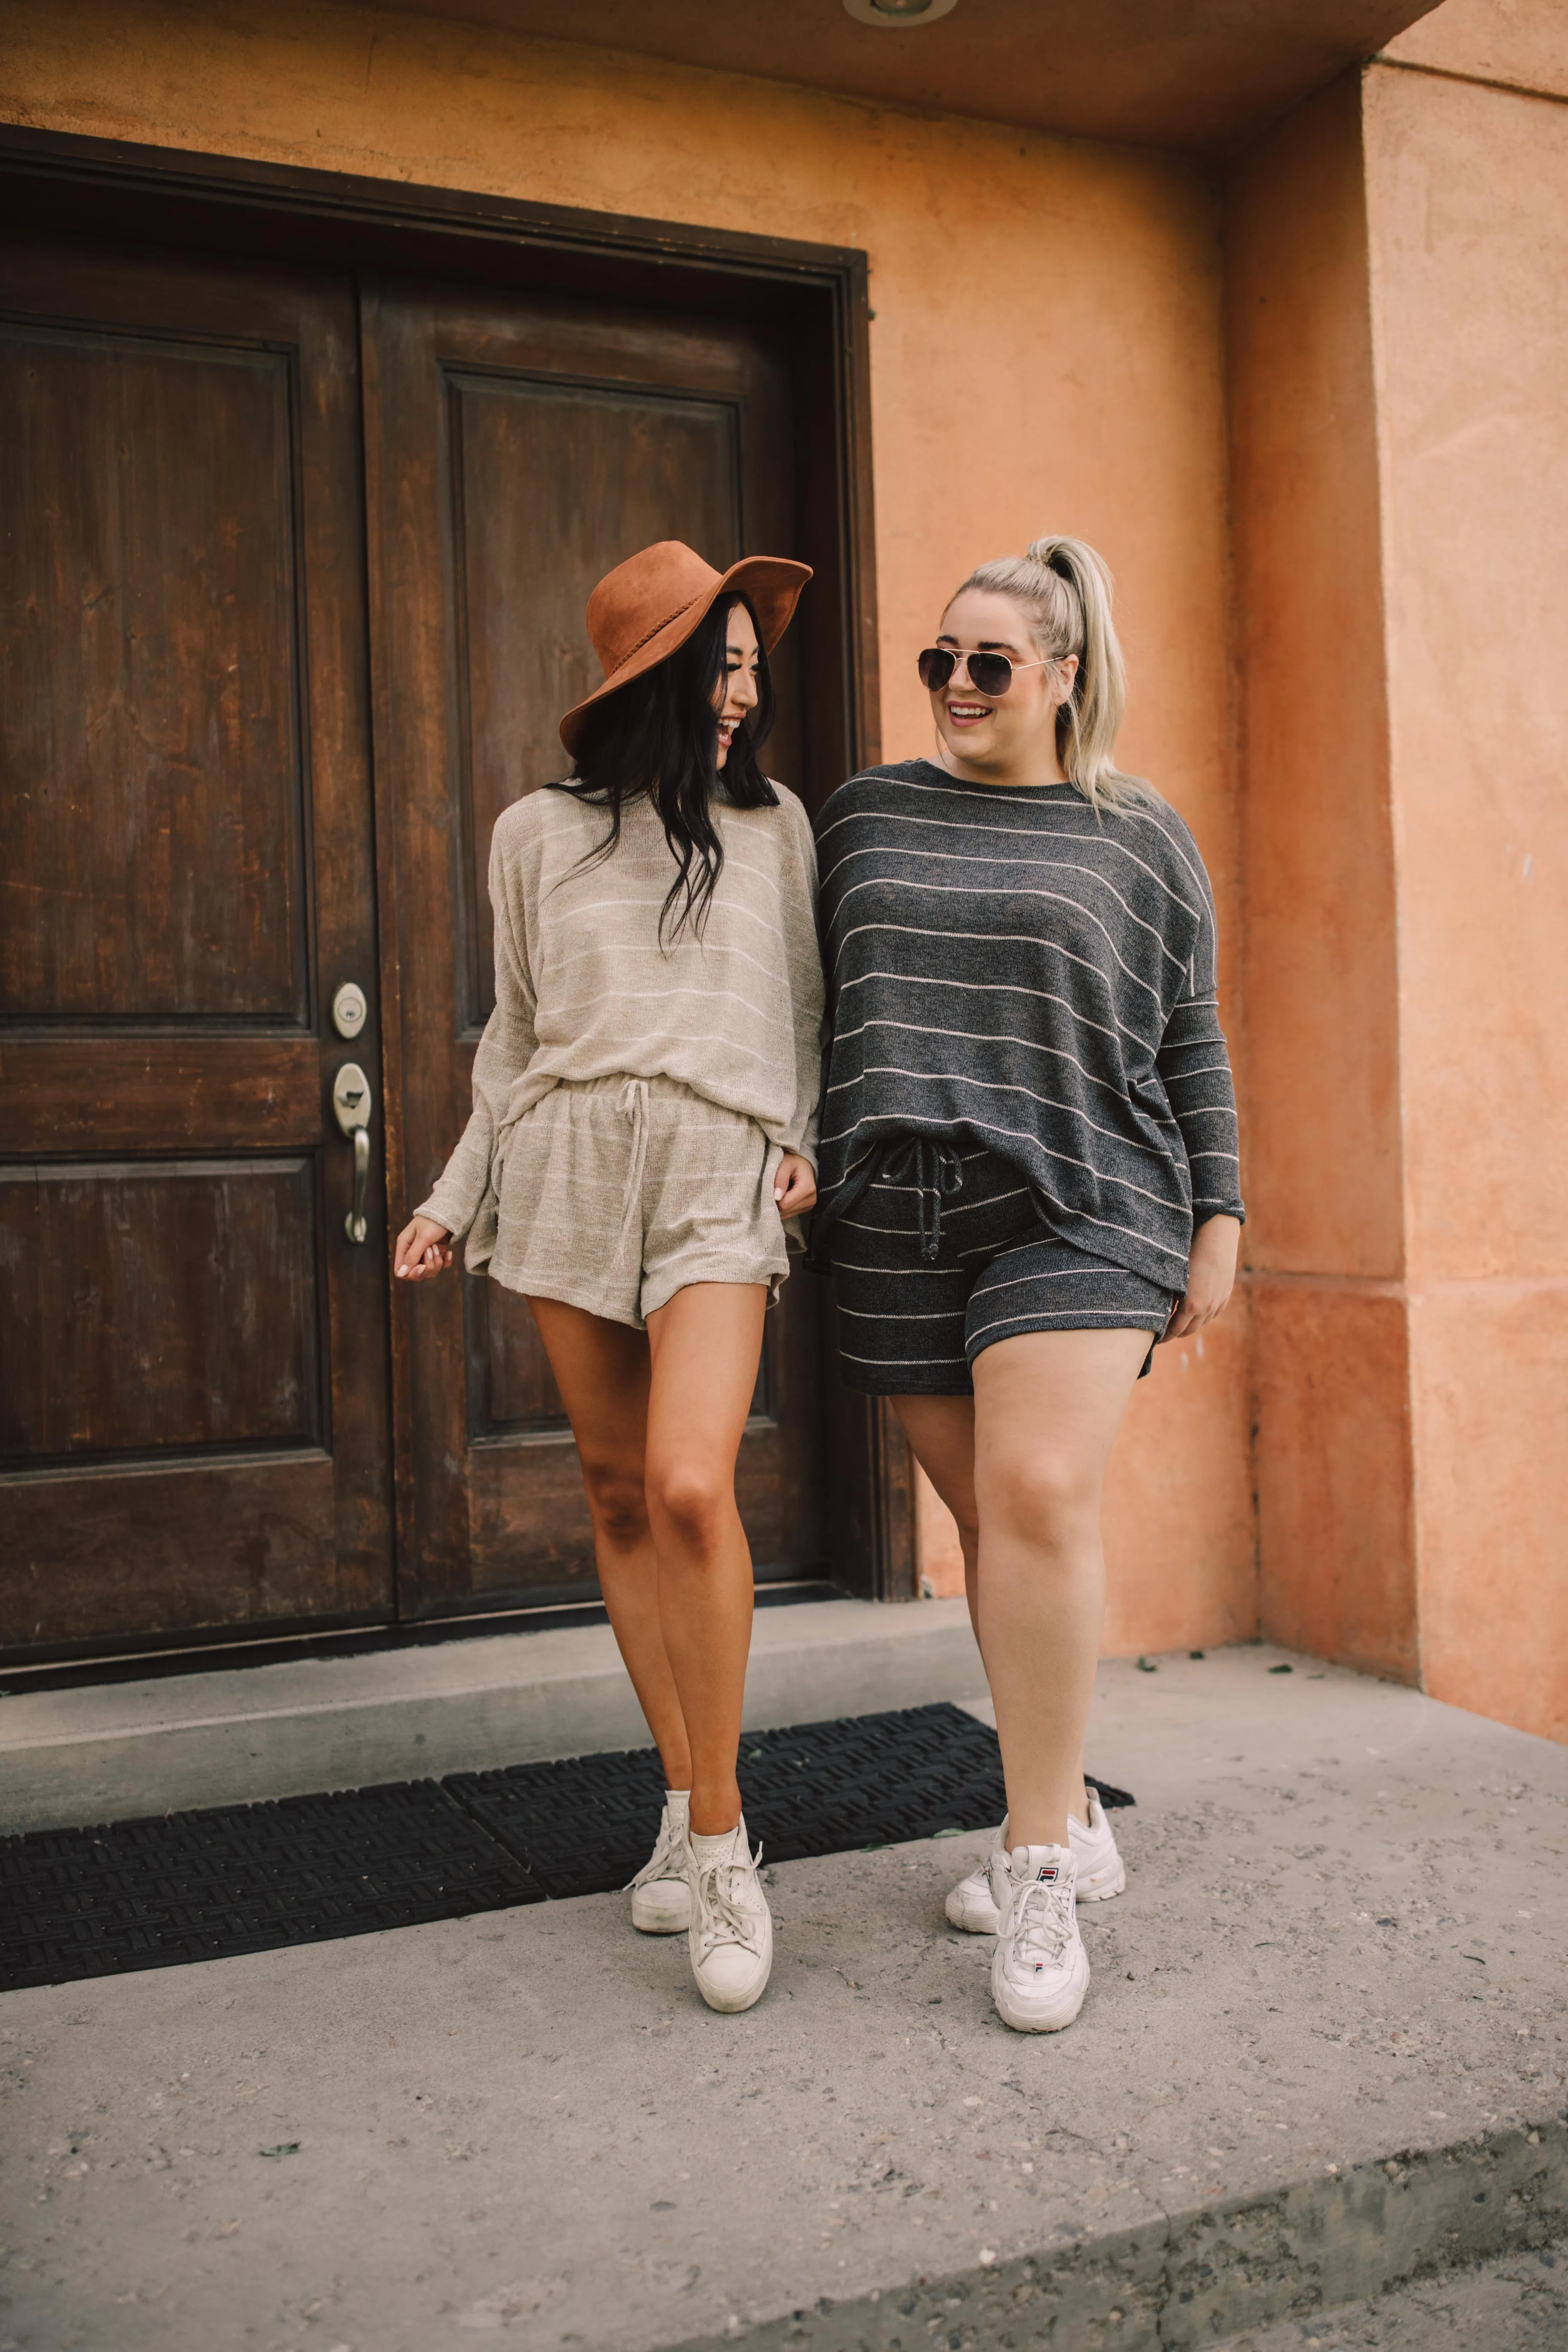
x,y
349,1009
353,1103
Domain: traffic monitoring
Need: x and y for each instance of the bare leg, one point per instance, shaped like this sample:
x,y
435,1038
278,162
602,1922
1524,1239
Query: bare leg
x,y
941,1433
941,1430
705,1346
602,1370
1048,1405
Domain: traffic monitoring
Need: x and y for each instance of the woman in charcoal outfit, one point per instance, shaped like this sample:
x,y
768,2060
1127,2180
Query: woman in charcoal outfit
x,y
645,1101
1027,1169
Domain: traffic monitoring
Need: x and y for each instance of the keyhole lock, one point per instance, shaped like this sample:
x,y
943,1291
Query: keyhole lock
x,y
349,1009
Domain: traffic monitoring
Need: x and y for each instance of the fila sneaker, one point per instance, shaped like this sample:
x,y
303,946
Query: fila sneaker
x,y
1101,1873
731,1930
1040,1971
661,1900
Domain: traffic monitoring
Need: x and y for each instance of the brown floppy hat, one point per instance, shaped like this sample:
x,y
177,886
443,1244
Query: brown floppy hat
x,y
646,606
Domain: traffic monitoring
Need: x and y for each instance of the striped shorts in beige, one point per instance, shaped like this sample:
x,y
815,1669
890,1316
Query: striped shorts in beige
x,y
617,1192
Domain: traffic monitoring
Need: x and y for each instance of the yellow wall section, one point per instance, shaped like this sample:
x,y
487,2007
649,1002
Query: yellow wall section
x,y
1046,355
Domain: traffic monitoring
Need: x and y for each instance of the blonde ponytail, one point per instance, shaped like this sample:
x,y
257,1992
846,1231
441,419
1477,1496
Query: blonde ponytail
x,y
1066,590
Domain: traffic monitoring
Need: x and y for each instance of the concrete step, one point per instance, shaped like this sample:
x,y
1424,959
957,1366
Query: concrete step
x,y
117,1750
1323,2057
1515,2302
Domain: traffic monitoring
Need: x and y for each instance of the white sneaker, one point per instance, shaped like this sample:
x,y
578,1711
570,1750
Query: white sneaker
x,y
1101,1873
732,1931
1040,1971
661,1898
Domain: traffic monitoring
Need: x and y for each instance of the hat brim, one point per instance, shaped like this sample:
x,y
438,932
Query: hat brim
x,y
771,582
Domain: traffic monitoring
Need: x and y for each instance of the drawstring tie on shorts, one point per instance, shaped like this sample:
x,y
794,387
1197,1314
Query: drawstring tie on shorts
x,y
936,1172
632,1102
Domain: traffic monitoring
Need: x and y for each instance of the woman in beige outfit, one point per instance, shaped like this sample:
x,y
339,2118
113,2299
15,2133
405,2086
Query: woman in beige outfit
x,y
644,1123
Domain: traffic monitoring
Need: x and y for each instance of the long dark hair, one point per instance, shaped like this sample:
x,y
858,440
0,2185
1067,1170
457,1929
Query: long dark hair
x,y
660,735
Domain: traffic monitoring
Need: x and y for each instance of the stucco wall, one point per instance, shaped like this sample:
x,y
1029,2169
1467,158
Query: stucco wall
x,y
1397,286
1047,354
1326,1241
1519,42
1468,207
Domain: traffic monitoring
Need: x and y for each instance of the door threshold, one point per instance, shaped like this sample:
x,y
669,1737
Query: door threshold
x,y
359,1642
308,1724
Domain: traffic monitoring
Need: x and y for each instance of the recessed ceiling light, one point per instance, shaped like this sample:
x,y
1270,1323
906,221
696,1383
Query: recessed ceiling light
x,y
898,15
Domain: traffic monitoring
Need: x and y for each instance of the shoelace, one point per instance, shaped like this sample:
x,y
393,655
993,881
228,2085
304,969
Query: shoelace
x,y
936,1172
664,1862
1041,1925
723,1921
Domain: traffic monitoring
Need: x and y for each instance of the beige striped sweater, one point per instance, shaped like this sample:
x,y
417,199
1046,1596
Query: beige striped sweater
x,y
584,990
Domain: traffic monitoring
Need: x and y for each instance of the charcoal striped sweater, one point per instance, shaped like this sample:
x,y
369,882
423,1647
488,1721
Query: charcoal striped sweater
x,y
1007,967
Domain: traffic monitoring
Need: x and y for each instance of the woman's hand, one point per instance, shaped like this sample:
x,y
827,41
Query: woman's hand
x,y
795,1185
423,1248
1211,1275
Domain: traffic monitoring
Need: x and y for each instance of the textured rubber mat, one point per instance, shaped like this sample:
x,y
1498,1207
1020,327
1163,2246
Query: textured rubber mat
x,y
249,1878
584,1824
244,1878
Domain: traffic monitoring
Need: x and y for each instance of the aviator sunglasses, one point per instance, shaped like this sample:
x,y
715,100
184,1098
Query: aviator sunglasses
x,y
990,674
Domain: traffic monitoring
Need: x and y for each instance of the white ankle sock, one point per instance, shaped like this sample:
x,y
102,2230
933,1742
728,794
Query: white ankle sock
x,y
707,1849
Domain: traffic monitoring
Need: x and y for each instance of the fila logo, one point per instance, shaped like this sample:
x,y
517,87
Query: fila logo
x,y
1047,1872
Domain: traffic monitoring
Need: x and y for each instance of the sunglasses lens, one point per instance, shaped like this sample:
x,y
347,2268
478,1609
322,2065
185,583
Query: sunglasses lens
x,y
992,673
988,672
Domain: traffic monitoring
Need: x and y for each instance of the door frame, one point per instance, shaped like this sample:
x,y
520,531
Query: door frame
x,y
57,183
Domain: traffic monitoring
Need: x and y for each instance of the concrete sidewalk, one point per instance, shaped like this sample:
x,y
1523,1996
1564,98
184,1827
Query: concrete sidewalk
x,y
1324,2049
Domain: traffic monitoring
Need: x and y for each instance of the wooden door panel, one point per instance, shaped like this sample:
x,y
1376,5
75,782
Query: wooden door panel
x,y
517,451
607,471
61,1092
142,1555
159,1306
527,1522
514,1380
151,836
195,1422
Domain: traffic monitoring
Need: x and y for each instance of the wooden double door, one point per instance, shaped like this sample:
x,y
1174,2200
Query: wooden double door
x,y
291,588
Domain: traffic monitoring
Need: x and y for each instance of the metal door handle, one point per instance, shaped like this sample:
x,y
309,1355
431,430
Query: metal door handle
x,y
353,1103
354,1223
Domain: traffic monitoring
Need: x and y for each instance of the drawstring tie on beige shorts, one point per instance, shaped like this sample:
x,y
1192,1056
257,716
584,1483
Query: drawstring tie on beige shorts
x,y
632,1102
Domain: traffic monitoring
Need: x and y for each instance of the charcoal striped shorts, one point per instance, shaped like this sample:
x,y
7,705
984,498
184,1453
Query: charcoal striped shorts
x,y
913,1326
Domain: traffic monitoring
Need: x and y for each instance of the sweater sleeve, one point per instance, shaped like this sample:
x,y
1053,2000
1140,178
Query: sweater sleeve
x,y
803,958
463,1196
1193,1063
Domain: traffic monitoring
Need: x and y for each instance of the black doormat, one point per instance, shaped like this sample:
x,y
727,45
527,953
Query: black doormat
x,y
304,1870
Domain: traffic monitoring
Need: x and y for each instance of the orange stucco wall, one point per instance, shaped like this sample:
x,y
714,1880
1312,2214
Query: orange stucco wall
x,y
1468,206
1397,284
1504,42
1326,1236
1047,354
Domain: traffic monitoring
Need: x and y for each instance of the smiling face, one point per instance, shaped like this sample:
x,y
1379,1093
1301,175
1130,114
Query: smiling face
x,y
736,692
1000,739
